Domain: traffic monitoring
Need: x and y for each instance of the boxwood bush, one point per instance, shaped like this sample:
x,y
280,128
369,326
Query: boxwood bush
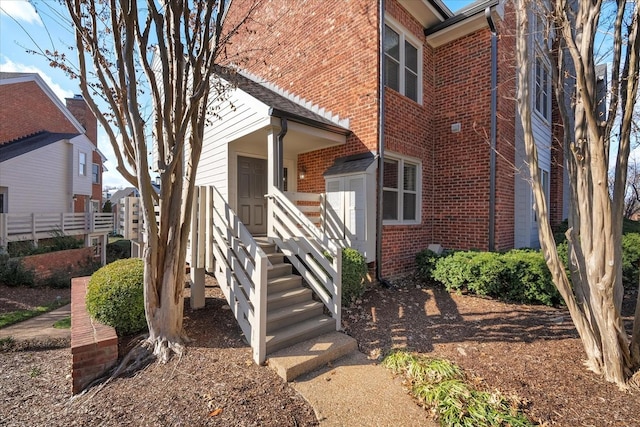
x,y
517,275
115,295
354,273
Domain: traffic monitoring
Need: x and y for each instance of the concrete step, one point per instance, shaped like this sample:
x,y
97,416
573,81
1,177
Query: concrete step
x,y
283,283
306,356
298,332
279,270
279,318
286,298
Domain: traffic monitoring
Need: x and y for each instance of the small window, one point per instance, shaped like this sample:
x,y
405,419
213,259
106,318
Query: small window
x,y
402,63
543,89
401,191
95,173
82,164
546,189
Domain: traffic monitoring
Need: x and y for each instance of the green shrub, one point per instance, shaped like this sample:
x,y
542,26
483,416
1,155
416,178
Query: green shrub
x,y
425,263
13,273
354,273
119,249
454,270
518,275
631,260
115,295
529,278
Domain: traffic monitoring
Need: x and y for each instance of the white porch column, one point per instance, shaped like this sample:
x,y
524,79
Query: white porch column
x,y
272,150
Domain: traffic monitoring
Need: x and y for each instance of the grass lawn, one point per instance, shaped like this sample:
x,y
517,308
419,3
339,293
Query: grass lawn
x,y
63,323
13,317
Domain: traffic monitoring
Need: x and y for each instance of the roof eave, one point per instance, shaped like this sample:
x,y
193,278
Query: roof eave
x,y
274,112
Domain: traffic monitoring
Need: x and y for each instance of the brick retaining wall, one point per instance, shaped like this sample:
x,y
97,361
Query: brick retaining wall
x,y
94,346
71,262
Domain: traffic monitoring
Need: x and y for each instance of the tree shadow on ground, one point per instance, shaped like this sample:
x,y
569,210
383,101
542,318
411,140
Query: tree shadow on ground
x,y
420,319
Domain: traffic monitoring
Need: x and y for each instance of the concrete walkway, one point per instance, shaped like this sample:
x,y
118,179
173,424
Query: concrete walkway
x,y
40,327
355,391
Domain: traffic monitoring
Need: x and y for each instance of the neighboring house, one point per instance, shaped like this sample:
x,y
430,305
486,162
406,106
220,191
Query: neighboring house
x,y
384,118
126,208
49,161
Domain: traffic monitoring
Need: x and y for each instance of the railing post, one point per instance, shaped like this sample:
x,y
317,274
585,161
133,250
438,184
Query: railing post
x,y
259,333
33,230
197,247
337,298
4,240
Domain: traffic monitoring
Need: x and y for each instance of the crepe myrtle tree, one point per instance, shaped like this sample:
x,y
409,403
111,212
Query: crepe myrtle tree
x,y
133,53
593,292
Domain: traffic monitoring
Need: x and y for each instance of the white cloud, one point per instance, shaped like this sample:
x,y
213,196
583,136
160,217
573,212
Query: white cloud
x,y
11,67
20,10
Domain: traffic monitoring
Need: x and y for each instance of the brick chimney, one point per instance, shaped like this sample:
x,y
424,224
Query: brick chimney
x,y
80,110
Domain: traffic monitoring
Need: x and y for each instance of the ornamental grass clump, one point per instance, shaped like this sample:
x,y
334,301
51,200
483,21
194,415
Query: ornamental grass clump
x,y
115,296
443,387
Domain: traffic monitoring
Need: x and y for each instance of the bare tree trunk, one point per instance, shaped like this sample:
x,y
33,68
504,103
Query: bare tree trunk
x,y
594,295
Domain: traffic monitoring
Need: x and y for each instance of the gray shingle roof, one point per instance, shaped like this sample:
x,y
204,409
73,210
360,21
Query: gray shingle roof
x,y
350,164
29,143
281,106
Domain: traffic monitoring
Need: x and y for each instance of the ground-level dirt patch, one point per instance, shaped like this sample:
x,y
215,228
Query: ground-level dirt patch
x,y
530,351
217,373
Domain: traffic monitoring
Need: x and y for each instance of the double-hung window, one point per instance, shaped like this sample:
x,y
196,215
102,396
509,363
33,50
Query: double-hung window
x,y
95,169
402,62
543,88
82,164
401,197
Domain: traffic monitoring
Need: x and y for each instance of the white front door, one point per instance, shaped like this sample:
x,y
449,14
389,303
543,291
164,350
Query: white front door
x,y
252,187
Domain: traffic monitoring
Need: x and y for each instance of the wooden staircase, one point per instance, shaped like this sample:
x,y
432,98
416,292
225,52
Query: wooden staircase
x,y
293,315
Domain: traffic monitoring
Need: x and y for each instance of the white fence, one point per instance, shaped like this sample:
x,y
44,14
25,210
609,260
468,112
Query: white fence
x,y
36,226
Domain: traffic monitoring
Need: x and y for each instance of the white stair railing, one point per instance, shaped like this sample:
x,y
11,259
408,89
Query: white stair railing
x,y
240,266
316,257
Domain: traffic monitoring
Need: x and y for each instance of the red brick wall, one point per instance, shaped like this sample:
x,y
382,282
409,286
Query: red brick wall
x,y
26,109
94,346
70,261
324,54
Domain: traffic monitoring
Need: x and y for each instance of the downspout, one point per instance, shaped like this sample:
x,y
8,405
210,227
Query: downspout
x,y
279,160
492,154
381,76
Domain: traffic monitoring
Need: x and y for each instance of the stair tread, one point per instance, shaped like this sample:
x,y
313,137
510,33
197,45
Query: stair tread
x,y
292,331
285,311
288,293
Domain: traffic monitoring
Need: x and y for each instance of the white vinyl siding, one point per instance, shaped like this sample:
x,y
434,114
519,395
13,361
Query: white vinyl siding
x,y
38,181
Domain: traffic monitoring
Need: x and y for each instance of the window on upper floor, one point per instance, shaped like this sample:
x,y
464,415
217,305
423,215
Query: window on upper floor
x,y
402,183
542,101
82,163
95,169
402,62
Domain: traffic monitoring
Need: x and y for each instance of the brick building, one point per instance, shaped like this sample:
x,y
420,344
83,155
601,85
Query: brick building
x,y
386,109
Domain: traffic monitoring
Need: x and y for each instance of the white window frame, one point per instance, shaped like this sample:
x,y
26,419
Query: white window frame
x,y
542,95
402,160
82,163
407,37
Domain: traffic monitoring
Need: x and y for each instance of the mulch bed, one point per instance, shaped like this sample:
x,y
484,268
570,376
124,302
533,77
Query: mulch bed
x,y
532,352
